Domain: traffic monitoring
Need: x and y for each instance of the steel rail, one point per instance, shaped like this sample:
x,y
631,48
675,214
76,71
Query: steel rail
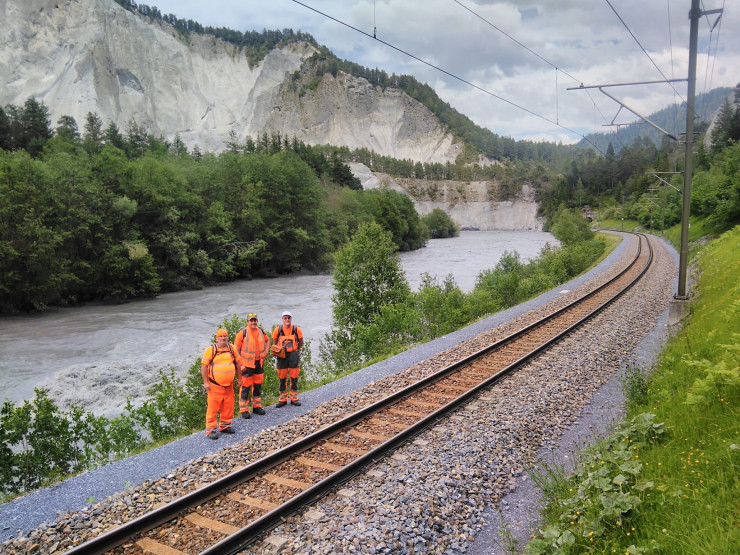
x,y
246,535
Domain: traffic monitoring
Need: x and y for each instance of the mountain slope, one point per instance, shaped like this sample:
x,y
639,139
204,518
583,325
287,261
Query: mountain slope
x,y
80,56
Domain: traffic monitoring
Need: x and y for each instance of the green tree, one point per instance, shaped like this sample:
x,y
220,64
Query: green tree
x,y
367,275
112,136
569,226
35,127
6,131
67,129
92,140
395,213
440,225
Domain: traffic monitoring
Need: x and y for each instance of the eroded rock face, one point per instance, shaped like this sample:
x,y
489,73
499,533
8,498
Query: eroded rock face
x,y
471,205
80,56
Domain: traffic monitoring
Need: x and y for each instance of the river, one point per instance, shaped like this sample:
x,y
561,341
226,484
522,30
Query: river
x,y
97,355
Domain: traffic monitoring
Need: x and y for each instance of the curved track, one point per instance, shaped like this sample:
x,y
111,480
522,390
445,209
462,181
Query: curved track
x,y
258,496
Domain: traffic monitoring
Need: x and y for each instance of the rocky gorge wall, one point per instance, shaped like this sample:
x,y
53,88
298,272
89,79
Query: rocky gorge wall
x,y
81,56
471,205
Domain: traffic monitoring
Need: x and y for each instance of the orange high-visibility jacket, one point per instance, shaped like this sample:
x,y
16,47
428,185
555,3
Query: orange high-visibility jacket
x,y
250,346
287,336
222,368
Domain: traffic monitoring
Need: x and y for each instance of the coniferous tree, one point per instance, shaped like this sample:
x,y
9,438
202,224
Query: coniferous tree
x,y
112,136
92,140
67,129
6,132
35,127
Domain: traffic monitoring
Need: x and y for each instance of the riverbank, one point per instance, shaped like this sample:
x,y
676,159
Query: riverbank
x,y
76,494
102,355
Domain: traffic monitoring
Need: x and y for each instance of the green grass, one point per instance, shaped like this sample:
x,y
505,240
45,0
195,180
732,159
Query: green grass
x,y
680,491
697,231
626,225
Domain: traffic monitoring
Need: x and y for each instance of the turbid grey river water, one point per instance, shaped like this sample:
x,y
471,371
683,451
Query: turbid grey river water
x,y
96,356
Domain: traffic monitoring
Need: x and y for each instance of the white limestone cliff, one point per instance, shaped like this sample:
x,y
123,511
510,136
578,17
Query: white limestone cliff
x,y
80,56
471,205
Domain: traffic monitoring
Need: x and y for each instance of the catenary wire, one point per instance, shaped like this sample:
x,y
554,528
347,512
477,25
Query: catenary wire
x,y
643,49
530,51
448,73
716,45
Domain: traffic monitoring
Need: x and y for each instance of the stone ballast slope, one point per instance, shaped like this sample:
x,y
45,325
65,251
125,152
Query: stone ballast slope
x,y
80,56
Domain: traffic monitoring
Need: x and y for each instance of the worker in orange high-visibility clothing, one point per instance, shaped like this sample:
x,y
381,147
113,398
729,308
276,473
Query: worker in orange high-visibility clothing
x,y
251,345
218,369
290,337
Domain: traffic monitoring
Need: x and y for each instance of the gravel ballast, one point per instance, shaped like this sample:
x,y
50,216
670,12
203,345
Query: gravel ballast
x,y
435,494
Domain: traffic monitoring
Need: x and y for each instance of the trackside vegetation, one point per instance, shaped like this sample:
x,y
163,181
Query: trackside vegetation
x,y
41,444
375,314
668,479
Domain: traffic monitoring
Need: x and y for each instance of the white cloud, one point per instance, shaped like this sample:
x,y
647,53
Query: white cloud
x,y
584,40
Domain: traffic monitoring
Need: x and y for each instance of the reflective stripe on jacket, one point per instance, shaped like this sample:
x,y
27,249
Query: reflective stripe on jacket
x,y
222,367
250,346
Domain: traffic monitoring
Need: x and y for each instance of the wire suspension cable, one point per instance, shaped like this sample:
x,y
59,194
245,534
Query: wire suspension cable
x,y
487,22
716,43
643,49
557,106
449,74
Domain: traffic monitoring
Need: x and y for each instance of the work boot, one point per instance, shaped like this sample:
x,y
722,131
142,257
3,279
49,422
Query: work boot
x,y
228,430
258,410
213,435
246,415
296,403
282,403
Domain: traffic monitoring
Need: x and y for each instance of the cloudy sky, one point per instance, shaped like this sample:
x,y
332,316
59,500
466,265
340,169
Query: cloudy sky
x,y
509,64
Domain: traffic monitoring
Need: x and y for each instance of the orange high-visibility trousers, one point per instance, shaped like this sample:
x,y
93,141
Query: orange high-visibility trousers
x,y
220,400
283,374
251,383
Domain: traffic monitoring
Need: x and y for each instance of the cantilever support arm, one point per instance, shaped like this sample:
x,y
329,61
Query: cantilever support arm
x,y
643,118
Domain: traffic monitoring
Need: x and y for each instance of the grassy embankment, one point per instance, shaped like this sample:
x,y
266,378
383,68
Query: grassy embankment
x,y
668,480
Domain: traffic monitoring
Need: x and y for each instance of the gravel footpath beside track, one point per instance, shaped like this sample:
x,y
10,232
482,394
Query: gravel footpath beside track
x,y
435,494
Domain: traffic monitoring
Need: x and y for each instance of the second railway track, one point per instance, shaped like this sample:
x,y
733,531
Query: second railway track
x,y
255,498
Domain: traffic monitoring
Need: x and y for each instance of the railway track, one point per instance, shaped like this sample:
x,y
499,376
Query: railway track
x,y
233,511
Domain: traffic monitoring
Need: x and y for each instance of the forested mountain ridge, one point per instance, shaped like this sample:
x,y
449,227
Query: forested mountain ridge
x,y
128,62
671,119
94,56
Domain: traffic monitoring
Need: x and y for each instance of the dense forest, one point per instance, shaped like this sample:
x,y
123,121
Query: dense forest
x,y
108,215
105,214
626,184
